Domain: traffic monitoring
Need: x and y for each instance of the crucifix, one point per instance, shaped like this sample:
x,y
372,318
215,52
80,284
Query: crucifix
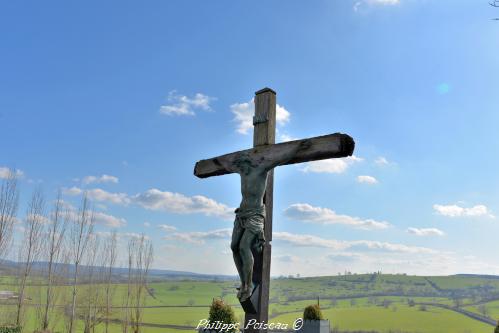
x,y
252,231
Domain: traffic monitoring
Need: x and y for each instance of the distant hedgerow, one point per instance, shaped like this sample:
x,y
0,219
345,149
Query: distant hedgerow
x,y
10,329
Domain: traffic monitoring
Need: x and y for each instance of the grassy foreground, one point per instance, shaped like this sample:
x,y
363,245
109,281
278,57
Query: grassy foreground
x,y
355,302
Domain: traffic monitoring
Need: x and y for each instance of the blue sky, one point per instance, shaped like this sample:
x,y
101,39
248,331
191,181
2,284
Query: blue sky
x,y
122,98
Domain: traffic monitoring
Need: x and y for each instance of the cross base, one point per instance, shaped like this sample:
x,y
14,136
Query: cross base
x,y
250,305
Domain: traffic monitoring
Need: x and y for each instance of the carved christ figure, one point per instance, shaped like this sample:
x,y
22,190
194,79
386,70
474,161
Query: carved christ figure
x,y
250,216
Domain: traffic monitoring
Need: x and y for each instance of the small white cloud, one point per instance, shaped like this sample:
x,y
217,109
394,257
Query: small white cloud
x,y
345,257
244,112
155,199
361,3
286,258
73,191
367,180
310,214
109,220
181,105
100,195
147,224
282,115
458,211
6,172
166,227
100,179
381,161
199,237
286,137
332,165
423,232
133,235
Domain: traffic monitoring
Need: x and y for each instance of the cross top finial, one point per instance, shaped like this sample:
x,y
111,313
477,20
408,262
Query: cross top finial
x,y
266,89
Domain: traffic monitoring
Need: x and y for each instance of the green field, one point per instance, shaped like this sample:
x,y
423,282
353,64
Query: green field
x,y
353,302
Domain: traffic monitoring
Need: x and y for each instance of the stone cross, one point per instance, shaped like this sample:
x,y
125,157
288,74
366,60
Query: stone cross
x,y
265,156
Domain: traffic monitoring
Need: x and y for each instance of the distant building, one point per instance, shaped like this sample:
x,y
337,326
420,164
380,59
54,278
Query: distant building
x,y
6,294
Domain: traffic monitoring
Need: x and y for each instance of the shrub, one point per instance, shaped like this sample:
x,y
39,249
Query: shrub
x,y
497,328
312,312
223,313
10,329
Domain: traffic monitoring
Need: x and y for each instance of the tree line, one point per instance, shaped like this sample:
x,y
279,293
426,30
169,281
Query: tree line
x,y
74,287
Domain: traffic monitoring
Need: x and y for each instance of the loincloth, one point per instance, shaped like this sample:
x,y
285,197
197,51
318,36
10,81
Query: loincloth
x,y
252,220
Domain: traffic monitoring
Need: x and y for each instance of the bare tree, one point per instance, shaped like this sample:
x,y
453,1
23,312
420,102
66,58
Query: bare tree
x,y
495,3
30,248
143,259
81,230
91,304
130,252
110,260
9,199
56,230
484,310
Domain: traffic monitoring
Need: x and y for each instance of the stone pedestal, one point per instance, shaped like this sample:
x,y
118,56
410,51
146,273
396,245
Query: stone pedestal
x,y
315,326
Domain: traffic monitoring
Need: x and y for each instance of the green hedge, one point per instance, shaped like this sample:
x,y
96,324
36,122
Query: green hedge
x,y
313,312
221,312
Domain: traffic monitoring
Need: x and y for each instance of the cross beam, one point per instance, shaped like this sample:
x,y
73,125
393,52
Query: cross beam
x,y
321,147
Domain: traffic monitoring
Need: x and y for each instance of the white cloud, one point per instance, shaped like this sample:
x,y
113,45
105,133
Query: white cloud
x,y
332,165
73,191
133,235
423,232
39,218
283,137
286,258
109,220
244,112
181,105
359,4
166,227
100,179
199,237
345,257
307,213
147,224
155,199
381,161
367,180
359,245
458,211
282,115
100,195
6,172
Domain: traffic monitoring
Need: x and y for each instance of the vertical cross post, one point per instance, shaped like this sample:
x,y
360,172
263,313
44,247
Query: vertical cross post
x,y
264,122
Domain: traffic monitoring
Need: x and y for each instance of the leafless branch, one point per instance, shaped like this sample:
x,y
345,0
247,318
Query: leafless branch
x,y
81,231
31,246
9,199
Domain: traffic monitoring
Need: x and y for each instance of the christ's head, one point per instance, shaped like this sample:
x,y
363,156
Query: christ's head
x,y
244,163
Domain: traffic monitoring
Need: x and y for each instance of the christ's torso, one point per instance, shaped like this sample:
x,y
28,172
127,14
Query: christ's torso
x,y
253,184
